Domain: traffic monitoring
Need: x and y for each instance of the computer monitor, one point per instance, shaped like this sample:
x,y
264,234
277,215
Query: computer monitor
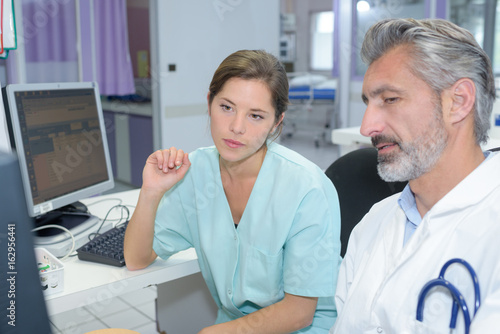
x,y
22,301
59,134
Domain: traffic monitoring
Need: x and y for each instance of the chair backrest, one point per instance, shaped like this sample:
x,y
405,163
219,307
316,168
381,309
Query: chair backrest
x,y
359,186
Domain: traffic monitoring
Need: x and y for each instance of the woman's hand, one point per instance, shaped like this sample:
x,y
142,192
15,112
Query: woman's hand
x,y
163,169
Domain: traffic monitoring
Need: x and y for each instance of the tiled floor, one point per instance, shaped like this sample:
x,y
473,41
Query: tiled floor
x,y
136,310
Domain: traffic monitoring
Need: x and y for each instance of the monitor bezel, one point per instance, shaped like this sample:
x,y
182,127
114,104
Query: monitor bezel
x,y
36,210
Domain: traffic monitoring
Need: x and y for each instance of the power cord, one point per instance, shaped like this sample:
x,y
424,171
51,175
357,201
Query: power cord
x,y
123,207
65,230
91,236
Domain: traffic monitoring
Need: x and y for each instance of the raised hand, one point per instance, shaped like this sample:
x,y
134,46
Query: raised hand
x,y
163,169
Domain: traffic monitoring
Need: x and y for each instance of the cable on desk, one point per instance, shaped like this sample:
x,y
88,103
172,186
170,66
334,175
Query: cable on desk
x,y
123,207
119,204
65,230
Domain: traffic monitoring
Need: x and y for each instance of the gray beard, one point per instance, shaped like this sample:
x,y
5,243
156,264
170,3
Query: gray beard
x,y
415,158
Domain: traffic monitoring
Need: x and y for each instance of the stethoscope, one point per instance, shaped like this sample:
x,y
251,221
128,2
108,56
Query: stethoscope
x,y
455,293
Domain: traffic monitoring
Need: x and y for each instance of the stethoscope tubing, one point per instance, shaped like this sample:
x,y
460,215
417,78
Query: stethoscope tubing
x,y
475,280
458,299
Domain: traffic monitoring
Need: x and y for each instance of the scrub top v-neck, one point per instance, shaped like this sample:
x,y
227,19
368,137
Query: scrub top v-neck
x,y
286,241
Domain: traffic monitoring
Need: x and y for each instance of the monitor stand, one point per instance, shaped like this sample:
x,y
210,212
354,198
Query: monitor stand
x,y
79,223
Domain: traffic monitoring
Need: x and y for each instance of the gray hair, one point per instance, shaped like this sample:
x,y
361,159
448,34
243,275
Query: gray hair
x,y
441,53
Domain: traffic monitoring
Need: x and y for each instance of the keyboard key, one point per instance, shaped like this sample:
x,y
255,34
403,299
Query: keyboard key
x,y
106,248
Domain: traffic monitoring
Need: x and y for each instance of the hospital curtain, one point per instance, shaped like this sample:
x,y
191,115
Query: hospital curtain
x,y
51,50
114,66
49,37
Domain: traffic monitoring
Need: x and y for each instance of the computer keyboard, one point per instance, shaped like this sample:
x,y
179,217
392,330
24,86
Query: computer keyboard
x,y
106,248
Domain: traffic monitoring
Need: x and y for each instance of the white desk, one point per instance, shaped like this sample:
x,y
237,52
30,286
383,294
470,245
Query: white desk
x,y
86,283
350,139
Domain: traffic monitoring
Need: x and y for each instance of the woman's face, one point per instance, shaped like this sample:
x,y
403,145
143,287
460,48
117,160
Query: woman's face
x,y
242,117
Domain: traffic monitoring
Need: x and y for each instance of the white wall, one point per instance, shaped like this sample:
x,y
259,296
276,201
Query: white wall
x,y
196,35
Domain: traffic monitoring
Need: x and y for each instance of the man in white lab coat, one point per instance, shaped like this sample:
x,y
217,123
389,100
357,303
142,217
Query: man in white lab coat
x,y
429,91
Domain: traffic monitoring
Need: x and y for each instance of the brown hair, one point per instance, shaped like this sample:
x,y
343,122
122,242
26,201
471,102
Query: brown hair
x,y
259,65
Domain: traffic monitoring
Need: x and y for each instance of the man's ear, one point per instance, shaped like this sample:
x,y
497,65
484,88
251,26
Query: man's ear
x,y
463,95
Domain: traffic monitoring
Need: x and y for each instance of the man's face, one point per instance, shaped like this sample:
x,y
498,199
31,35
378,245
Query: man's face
x,y
403,117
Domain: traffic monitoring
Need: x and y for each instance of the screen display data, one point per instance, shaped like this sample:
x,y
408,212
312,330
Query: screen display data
x,y
62,141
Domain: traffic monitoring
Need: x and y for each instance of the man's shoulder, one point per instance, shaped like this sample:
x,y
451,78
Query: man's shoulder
x,y
378,216
385,207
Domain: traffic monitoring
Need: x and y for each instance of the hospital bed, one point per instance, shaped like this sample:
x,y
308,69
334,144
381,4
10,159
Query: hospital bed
x,y
312,107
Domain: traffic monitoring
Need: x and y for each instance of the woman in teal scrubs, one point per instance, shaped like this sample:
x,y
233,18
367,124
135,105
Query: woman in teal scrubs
x,y
265,221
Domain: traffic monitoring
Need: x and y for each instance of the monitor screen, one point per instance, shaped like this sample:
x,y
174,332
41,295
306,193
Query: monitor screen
x,y
59,134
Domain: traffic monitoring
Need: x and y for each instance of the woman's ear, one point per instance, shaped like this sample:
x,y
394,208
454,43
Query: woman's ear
x,y
281,118
463,95
208,103
279,122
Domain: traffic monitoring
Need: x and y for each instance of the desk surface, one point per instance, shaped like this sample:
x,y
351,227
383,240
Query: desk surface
x,y
349,136
86,282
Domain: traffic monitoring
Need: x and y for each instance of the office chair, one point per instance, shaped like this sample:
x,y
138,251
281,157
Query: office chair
x,y
359,186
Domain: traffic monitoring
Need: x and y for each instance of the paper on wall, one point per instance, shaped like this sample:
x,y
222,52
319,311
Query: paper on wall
x,y
9,39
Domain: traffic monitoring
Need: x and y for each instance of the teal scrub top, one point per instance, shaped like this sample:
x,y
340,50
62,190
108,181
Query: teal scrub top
x,y
288,238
